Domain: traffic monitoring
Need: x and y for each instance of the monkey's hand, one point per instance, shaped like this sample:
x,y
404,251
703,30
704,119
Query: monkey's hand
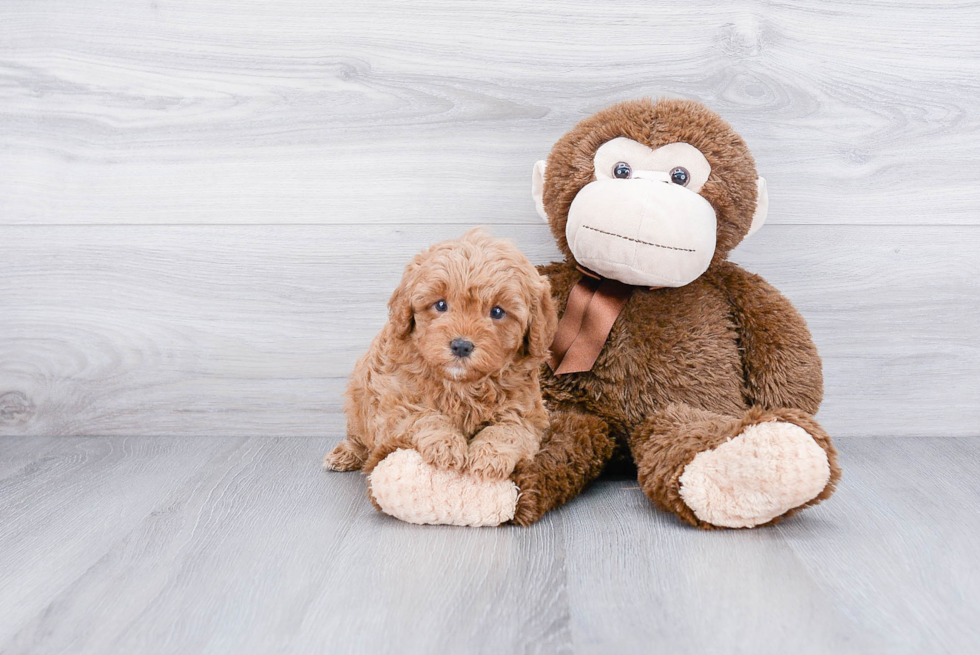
x,y
403,485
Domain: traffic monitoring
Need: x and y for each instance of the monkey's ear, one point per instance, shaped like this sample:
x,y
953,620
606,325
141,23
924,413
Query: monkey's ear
x,y
537,188
400,312
761,207
544,323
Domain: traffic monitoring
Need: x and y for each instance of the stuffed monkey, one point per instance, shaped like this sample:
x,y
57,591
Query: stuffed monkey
x,y
701,373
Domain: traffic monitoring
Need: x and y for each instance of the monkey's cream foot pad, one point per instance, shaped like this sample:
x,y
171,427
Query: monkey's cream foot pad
x,y
407,488
762,473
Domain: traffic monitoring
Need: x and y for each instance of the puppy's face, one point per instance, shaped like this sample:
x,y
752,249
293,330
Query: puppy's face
x,y
474,306
467,333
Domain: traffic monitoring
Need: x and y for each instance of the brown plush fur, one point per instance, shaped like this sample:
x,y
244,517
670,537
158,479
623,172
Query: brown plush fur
x,y
663,445
684,368
482,413
574,453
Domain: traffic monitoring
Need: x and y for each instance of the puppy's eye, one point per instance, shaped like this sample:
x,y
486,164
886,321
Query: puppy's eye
x,y
497,313
441,306
622,171
680,176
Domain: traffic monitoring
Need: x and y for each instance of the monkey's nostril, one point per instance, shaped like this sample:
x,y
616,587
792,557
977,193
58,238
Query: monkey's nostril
x,y
461,347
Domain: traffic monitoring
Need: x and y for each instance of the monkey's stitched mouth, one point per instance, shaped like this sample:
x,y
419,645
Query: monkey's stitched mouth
x,y
645,243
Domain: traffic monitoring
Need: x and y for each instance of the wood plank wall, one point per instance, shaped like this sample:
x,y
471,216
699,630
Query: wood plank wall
x,y
204,205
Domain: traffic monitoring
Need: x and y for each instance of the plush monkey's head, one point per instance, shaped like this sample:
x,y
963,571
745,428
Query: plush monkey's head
x,y
650,193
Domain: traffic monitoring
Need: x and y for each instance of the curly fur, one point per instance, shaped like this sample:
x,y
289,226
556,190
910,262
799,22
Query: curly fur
x,y
707,371
482,413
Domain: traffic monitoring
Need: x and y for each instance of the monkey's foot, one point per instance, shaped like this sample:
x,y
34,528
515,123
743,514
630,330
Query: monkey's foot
x,y
406,487
767,470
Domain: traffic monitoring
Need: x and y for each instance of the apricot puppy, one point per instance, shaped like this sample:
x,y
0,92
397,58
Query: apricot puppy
x,y
454,373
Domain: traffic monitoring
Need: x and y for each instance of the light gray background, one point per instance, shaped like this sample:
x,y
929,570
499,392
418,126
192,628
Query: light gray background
x,y
204,206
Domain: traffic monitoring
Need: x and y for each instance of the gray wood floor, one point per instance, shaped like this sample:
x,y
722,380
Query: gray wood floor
x,y
242,545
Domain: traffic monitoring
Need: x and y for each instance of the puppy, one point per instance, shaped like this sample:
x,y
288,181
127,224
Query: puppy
x,y
454,373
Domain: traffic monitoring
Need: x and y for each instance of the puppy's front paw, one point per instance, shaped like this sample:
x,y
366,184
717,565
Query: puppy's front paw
x,y
490,462
443,451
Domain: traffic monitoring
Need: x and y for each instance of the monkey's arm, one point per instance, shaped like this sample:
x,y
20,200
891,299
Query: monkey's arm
x,y
574,451
781,364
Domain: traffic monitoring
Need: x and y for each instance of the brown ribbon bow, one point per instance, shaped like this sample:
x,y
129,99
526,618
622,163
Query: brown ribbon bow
x,y
593,306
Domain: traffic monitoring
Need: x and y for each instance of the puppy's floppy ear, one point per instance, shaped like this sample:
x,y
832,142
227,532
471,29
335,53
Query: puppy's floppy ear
x,y
544,322
400,312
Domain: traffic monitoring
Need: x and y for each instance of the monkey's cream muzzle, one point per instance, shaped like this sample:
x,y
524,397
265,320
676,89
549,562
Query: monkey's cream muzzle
x,y
644,231
643,228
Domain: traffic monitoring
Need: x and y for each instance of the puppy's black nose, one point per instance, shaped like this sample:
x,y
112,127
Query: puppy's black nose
x,y
461,347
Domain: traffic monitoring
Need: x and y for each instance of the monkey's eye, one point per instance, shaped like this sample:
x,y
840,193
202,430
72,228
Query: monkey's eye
x,y
497,313
680,176
622,170
441,306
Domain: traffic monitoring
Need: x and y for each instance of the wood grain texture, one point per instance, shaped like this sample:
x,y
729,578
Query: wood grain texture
x,y
253,330
305,111
204,208
895,488
242,545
